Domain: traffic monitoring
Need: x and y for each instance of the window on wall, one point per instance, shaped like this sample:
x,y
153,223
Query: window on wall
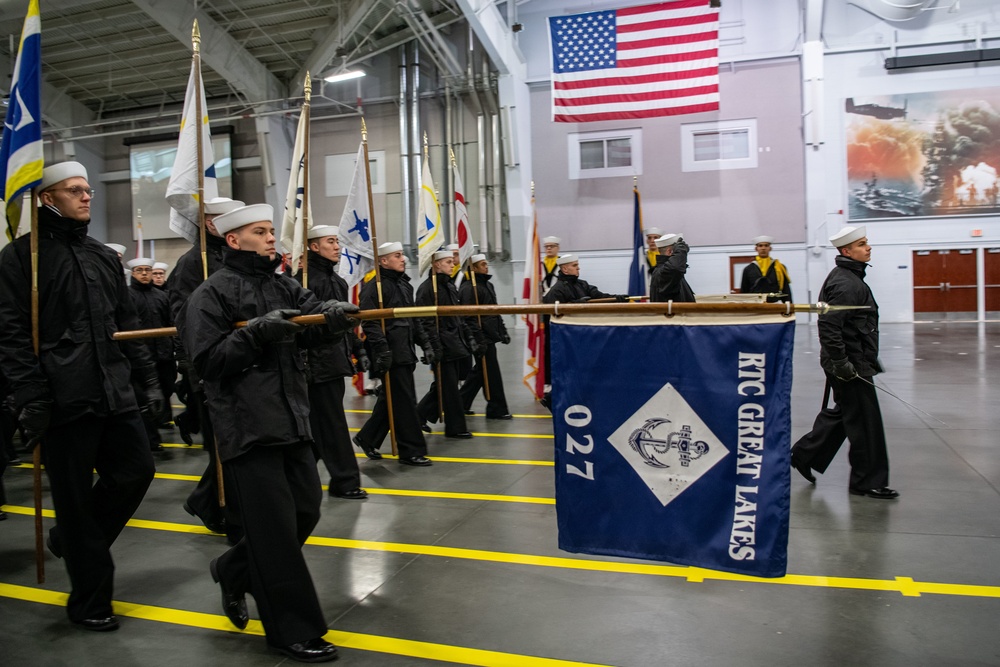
x,y
724,144
605,154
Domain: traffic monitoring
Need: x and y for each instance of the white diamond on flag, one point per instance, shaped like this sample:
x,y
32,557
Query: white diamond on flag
x,y
667,444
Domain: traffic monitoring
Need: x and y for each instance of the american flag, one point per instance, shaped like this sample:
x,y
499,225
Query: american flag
x,y
637,62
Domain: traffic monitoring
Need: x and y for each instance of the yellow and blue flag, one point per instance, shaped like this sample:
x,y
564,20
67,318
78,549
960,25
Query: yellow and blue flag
x,y
429,236
21,160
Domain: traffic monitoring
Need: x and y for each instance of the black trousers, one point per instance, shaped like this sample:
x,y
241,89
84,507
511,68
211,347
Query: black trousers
x,y
204,499
332,440
166,373
857,417
496,406
90,515
454,413
409,437
279,495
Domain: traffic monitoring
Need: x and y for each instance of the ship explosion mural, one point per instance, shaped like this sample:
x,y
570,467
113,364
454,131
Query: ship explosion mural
x,y
926,154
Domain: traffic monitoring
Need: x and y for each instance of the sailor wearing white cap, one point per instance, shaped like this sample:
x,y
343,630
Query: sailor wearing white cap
x,y
328,365
452,343
392,352
118,248
271,469
550,248
766,275
652,252
76,396
160,276
153,309
487,330
849,357
668,282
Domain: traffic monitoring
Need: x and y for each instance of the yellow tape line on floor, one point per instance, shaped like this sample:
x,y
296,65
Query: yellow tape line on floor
x,y
903,585
347,640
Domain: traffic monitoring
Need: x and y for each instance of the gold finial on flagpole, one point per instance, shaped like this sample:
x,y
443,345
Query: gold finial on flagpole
x,y
364,131
426,152
451,154
196,36
532,189
635,181
308,86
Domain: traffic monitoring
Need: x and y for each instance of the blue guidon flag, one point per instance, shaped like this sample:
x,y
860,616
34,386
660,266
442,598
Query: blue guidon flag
x,y
683,457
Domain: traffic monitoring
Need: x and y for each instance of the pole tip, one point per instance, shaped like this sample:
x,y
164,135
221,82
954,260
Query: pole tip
x,y
364,130
195,35
307,86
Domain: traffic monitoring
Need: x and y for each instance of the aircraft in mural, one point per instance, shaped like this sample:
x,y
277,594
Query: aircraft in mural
x,y
876,110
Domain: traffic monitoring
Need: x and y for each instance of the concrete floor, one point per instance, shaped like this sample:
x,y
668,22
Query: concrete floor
x,y
428,578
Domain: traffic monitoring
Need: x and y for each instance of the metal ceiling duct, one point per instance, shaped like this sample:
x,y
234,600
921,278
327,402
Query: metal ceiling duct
x,y
894,10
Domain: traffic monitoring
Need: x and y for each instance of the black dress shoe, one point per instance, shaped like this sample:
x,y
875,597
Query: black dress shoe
x,y
3,516
156,448
803,469
234,605
884,493
503,417
15,460
214,526
370,452
425,428
353,494
469,412
314,650
99,624
464,435
53,547
415,461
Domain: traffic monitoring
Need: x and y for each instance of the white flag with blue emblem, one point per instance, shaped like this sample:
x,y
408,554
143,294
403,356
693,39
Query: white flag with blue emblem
x,y
685,461
292,223
429,236
21,160
182,189
356,255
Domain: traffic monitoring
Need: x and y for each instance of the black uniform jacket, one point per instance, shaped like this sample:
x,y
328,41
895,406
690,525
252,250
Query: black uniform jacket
x,y
850,334
400,334
569,289
257,395
188,272
755,283
331,361
83,300
668,282
446,334
490,326
153,308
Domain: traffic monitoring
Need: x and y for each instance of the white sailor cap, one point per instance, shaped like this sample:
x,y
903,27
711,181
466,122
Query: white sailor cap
x,y
567,259
763,239
475,259
139,261
245,215
441,254
220,205
60,172
551,239
667,240
117,247
389,248
451,246
848,235
323,230
653,231
159,265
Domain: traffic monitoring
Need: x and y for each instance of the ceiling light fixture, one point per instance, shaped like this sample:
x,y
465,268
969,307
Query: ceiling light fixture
x,y
344,76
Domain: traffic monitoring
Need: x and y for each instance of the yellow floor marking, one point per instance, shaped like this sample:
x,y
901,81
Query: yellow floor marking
x,y
477,414
903,585
460,496
349,640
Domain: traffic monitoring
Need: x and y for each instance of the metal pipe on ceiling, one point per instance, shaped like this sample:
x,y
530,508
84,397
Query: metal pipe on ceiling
x,y
415,143
404,153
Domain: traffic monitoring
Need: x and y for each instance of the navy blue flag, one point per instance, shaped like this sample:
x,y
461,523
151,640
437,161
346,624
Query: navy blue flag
x,y
637,272
684,458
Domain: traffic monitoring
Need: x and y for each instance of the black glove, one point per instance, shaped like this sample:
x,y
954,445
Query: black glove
x,y
431,355
151,401
274,326
621,298
383,362
505,338
582,299
843,370
361,363
336,314
34,418
681,246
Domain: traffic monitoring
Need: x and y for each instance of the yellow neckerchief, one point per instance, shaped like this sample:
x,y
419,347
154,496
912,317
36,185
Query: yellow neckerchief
x,y
780,272
550,263
455,269
651,256
369,276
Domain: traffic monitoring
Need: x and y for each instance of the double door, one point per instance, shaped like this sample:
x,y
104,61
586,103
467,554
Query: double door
x,y
946,285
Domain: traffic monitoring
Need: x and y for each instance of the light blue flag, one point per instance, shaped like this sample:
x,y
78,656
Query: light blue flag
x,y
21,158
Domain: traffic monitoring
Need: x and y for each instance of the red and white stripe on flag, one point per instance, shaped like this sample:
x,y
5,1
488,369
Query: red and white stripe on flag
x,y
638,62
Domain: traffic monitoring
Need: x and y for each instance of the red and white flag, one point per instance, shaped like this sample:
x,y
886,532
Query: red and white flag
x,y
534,340
637,62
463,230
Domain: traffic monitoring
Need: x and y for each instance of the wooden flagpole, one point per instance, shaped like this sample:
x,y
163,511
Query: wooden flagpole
x,y
307,86
36,455
378,280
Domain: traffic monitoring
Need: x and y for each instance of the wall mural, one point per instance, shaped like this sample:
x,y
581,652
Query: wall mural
x,y
923,154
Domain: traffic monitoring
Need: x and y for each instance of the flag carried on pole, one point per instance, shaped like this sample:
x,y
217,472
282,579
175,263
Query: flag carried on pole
x,y
293,222
638,62
463,230
686,461
356,255
637,272
182,189
429,236
534,339
21,159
